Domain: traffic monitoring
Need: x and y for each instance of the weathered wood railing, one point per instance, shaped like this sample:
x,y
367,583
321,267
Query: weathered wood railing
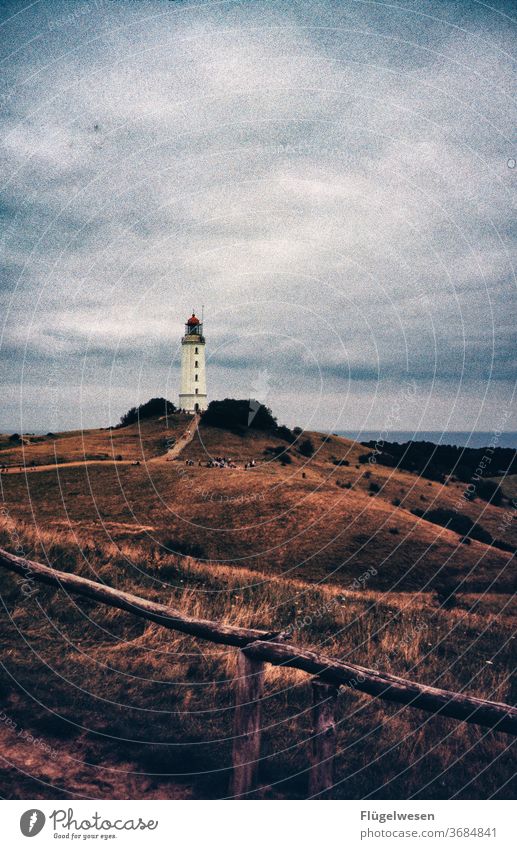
x,y
258,647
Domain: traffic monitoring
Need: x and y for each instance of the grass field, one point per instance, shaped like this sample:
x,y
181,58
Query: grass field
x,y
130,710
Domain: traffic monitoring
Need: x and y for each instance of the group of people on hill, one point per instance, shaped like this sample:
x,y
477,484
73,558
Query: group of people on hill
x,y
222,463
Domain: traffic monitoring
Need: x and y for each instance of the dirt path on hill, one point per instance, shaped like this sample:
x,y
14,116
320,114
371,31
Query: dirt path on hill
x,y
171,454
47,467
181,443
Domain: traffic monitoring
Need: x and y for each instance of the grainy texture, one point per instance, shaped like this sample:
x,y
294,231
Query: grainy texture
x,y
323,744
216,632
478,711
257,645
249,683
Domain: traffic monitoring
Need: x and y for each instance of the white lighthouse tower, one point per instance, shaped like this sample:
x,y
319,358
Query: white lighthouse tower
x,y
193,375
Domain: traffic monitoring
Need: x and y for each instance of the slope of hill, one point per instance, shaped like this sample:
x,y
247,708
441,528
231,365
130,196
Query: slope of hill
x,y
321,542
324,517
139,441
152,709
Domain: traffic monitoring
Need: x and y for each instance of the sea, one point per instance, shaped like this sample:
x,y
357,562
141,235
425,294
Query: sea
x,y
461,438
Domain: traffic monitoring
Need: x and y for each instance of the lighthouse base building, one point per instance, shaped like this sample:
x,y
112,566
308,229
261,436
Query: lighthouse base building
x,y
193,397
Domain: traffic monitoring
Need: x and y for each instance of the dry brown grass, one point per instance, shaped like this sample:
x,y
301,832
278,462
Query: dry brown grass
x,y
140,441
133,681
271,518
276,546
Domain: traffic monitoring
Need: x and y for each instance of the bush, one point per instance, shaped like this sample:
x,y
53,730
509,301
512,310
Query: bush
x,y
396,502
283,432
445,588
307,448
457,522
155,407
278,451
238,414
15,437
374,487
364,458
504,546
435,462
490,491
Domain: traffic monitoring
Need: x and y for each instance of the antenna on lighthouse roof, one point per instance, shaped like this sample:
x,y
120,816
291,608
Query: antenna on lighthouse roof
x,y
202,312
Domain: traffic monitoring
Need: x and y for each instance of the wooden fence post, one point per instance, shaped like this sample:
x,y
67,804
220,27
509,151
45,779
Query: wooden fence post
x,y
249,685
324,702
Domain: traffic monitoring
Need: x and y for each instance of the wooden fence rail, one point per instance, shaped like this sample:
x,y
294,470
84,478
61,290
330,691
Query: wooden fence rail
x,y
258,647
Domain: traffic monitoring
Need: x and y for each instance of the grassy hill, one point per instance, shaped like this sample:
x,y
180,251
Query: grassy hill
x,y
327,544
139,441
313,517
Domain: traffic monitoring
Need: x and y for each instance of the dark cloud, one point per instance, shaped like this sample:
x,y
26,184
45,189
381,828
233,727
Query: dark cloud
x,y
330,180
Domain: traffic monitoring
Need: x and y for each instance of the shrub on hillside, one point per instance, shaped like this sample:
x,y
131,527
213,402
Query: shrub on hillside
x,y
364,458
276,450
306,447
490,491
436,462
238,414
283,432
153,408
457,522
445,588
279,452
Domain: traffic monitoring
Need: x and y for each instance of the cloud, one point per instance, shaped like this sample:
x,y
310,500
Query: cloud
x,y
330,181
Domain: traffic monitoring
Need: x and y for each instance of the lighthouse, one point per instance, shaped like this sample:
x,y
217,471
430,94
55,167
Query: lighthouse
x,y
193,375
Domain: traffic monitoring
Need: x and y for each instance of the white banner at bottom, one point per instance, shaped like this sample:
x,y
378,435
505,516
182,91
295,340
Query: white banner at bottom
x,y
259,824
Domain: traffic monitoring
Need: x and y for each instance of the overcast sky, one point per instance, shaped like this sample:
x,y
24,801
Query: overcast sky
x,y
335,182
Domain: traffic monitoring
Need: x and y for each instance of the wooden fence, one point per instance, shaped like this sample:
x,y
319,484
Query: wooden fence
x,y
258,647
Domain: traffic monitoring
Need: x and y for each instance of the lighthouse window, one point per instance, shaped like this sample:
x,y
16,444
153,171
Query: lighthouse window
x,y
197,391
196,364
196,350
196,377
